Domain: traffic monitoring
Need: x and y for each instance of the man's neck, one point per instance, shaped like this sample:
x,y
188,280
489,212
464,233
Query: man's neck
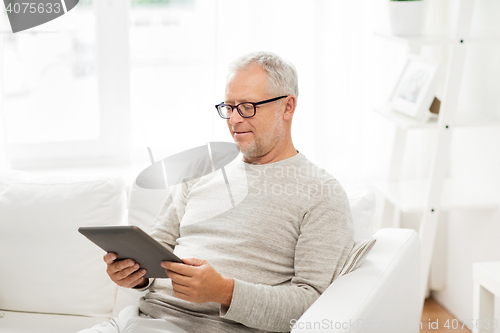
x,y
273,156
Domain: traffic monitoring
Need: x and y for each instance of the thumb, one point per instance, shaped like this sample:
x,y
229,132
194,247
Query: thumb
x,y
193,261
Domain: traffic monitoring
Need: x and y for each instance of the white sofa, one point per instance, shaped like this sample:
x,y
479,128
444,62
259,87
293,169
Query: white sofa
x,y
52,279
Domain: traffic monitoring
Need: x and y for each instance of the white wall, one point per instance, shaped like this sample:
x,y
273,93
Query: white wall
x,y
470,235
473,236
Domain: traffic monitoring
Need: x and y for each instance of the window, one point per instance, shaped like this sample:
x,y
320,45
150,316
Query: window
x,y
172,56
60,101
50,83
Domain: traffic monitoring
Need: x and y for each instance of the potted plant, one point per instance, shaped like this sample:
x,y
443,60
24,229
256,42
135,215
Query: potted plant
x,y
406,17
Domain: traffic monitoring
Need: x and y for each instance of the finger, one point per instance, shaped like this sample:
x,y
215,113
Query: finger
x,y
137,282
121,265
109,258
180,286
128,282
178,278
193,261
125,273
134,279
178,268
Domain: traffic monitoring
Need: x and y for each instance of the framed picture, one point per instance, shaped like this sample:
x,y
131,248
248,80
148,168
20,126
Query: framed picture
x,y
416,88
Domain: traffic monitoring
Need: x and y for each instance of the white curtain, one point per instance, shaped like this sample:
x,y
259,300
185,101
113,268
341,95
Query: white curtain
x,y
330,43
4,161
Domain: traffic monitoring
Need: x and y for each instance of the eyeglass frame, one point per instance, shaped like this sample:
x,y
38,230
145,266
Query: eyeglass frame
x,y
254,106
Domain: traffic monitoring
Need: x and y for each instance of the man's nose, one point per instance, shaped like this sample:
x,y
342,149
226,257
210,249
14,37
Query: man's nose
x,y
235,117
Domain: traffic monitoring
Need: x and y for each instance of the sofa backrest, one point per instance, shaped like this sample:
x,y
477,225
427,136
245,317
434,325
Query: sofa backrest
x,y
362,209
46,265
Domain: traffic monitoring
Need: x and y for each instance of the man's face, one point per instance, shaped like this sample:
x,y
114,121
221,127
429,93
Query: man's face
x,y
258,135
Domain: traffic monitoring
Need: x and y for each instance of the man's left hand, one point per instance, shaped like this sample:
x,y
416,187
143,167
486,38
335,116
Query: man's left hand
x,y
197,281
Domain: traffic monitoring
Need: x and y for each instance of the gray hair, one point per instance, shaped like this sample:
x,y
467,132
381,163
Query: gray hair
x,y
281,75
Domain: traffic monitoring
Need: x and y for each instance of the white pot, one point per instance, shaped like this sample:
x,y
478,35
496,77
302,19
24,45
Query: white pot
x,y
406,17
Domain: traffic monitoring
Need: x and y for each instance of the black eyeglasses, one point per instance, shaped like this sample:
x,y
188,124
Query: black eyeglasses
x,y
246,110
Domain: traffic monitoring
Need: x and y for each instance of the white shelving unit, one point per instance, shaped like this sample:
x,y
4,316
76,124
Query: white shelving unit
x,y
409,195
437,193
472,120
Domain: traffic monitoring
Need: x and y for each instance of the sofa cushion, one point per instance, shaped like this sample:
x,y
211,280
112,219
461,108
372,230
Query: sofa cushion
x,y
22,322
144,205
358,253
47,265
362,209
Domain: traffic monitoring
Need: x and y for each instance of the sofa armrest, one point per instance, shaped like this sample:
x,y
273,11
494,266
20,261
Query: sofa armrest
x,y
380,296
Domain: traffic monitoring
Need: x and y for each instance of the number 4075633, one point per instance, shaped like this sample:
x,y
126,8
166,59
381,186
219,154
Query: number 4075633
x,y
32,8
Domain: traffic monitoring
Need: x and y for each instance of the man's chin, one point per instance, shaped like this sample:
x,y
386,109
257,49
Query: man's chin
x,y
246,148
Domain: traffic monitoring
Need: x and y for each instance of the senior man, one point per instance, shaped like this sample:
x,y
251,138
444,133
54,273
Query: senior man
x,y
257,265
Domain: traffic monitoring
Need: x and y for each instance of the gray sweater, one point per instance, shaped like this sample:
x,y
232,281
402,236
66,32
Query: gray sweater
x,y
283,242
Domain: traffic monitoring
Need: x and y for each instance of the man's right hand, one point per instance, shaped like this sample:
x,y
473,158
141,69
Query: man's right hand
x,y
125,273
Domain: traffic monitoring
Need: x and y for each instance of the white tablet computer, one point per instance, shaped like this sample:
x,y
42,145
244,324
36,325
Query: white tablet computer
x,y
131,242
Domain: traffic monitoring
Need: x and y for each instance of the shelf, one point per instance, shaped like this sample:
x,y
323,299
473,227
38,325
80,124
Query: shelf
x,y
485,37
418,40
409,195
404,121
465,120
439,38
476,119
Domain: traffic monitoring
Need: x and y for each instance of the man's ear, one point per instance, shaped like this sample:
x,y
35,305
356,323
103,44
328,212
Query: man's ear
x,y
290,103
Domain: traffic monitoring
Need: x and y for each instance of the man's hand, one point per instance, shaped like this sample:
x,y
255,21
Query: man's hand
x,y
197,281
125,273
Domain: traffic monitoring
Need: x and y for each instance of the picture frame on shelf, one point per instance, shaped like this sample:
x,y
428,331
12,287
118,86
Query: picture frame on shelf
x,y
416,88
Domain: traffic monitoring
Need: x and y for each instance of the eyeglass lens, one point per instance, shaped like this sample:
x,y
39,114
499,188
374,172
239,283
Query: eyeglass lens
x,y
246,109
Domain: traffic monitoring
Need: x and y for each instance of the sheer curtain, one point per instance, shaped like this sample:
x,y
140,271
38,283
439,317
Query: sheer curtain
x,y
331,44
4,160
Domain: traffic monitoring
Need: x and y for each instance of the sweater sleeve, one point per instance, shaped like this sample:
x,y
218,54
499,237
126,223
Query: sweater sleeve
x,y
166,228
325,240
